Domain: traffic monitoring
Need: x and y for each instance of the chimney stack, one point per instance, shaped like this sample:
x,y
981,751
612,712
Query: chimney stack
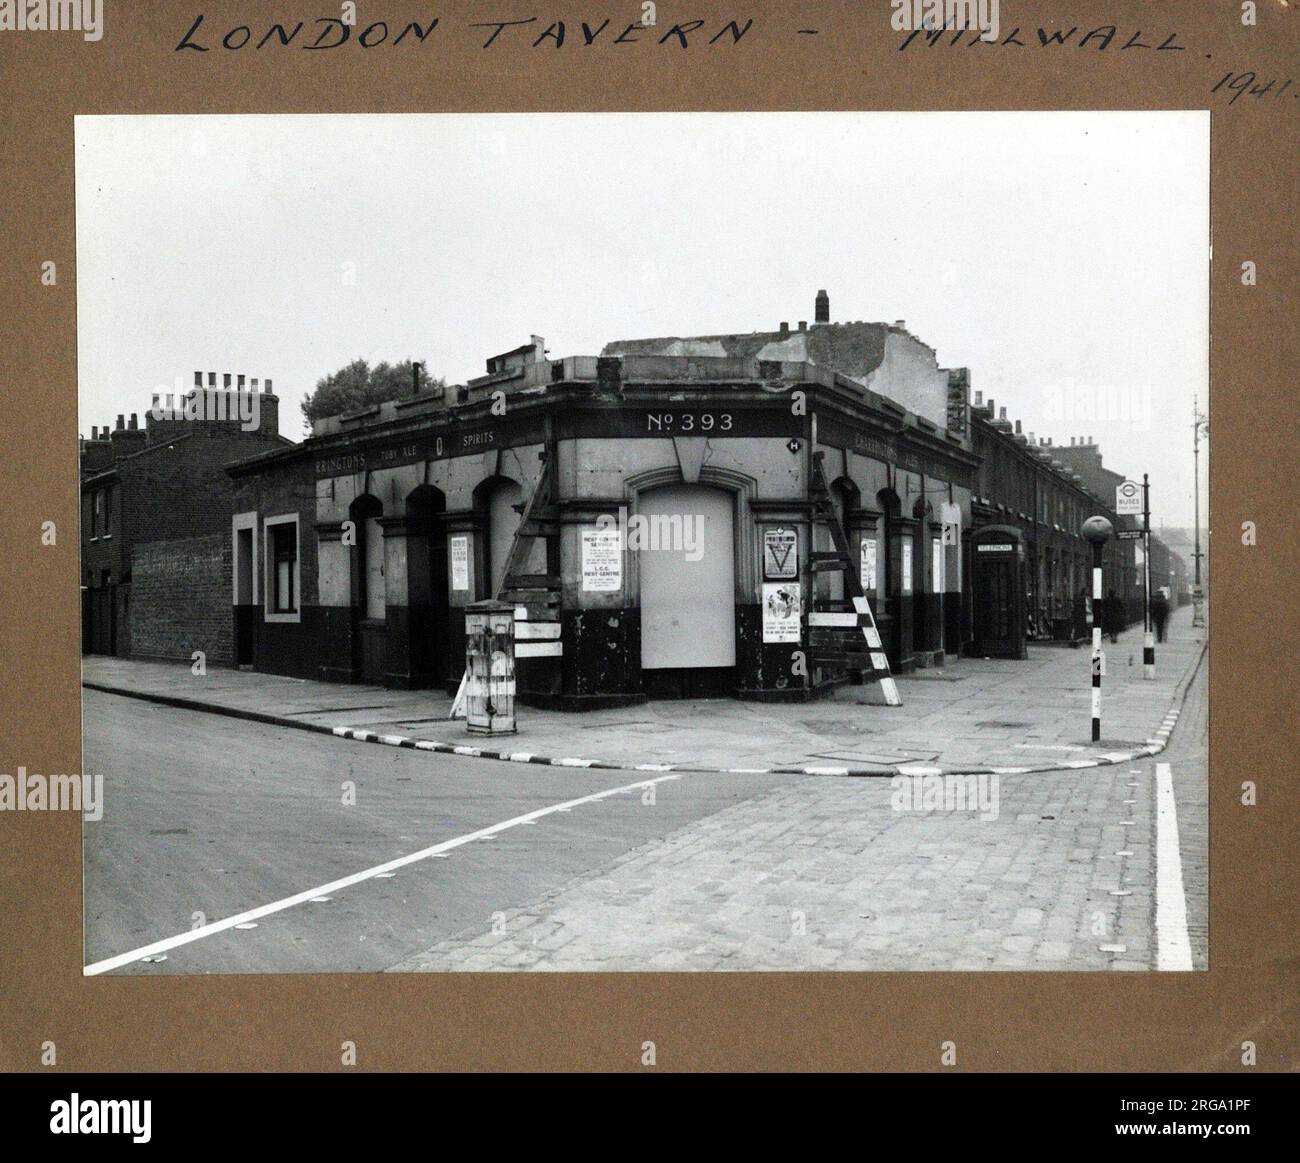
x,y
822,308
979,399
121,422
212,379
785,328
198,379
225,379
1017,427
268,386
1002,414
135,422
239,383
803,324
901,324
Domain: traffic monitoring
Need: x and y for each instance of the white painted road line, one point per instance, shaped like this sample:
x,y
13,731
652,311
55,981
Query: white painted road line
x,y
324,890
1173,946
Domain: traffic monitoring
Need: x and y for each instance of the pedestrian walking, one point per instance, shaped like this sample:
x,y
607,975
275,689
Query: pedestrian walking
x,y
1113,615
1160,613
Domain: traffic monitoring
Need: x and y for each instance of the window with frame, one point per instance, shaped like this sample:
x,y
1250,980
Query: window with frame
x,y
282,552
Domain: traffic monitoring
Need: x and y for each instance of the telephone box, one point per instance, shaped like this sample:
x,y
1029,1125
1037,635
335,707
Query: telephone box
x,y
998,588
490,668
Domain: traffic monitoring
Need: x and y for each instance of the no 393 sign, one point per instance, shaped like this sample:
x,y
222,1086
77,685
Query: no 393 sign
x,y
690,422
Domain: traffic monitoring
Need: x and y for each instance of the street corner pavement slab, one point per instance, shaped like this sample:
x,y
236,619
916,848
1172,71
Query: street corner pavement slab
x,y
975,714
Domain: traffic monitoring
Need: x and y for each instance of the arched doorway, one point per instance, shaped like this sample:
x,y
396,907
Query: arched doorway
x,y
427,606
501,500
888,617
369,590
845,498
927,587
684,540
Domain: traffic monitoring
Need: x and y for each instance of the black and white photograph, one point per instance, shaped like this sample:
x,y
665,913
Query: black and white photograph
x,y
687,542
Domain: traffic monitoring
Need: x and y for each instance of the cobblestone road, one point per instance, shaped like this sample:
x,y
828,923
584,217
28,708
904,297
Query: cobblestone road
x,y
827,873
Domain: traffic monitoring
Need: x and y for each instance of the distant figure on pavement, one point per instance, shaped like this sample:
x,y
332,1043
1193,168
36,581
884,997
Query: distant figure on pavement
x,y
1113,615
1160,613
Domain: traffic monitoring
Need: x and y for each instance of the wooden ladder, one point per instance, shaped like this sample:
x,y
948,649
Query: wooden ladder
x,y
536,596
846,637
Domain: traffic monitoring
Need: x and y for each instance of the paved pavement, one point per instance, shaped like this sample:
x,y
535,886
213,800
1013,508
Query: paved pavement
x,y
825,873
230,846
975,712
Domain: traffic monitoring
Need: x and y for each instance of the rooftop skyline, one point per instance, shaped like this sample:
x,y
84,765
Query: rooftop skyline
x,y
1063,258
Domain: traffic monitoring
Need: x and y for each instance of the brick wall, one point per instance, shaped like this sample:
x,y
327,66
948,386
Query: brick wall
x,y
182,489
180,598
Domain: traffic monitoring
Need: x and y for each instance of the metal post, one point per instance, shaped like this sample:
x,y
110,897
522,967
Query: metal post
x,y
1096,642
1198,611
1148,638
1097,531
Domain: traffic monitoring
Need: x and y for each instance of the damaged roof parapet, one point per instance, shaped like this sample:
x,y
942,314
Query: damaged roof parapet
x,y
535,381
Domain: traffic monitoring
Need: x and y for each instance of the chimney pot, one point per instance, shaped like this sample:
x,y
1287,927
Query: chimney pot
x,y
121,421
1002,414
785,327
253,385
212,379
901,324
1017,427
198,379
979,399
225,379
239,383
267,383
822,308
134,423
803,324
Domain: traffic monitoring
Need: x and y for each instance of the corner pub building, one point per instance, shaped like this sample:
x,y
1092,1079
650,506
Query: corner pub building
x,y
356,552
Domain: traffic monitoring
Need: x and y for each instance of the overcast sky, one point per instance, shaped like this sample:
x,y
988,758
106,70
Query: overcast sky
x,y
1061,257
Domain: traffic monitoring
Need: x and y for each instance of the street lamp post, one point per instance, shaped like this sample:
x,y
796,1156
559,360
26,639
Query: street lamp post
x,y
1200,423
1096,530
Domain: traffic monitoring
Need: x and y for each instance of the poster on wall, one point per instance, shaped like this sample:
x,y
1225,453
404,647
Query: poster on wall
x,y
602,561
782,611
460,562
938,565
906,570
780,554
868,563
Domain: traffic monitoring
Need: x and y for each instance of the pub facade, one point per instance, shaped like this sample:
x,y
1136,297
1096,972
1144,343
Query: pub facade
x,y
653,518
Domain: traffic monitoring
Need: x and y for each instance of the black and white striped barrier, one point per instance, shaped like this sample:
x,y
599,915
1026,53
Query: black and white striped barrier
x,y
536,639
861,618
1153,747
